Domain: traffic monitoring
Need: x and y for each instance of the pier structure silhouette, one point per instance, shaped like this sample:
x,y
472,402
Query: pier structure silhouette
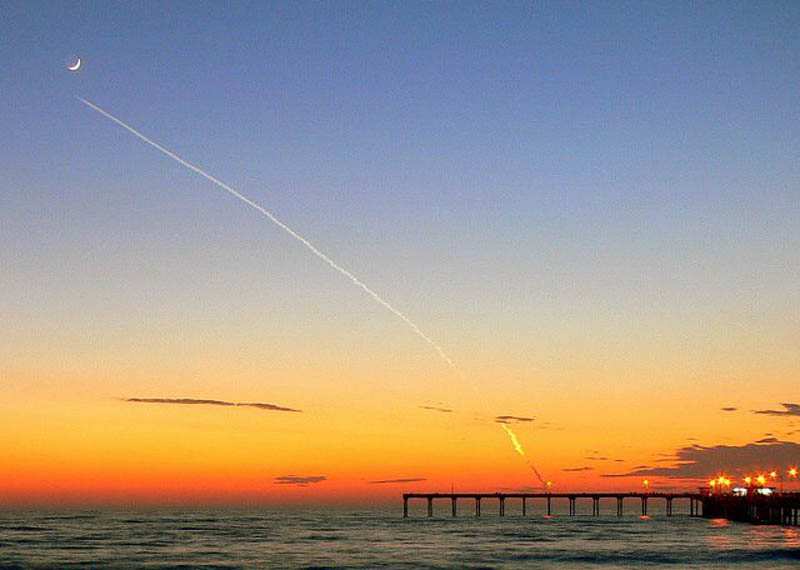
x,y
595,497
779,508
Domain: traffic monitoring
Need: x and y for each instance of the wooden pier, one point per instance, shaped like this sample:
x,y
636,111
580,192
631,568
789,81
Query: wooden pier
x,y
695,501
780,508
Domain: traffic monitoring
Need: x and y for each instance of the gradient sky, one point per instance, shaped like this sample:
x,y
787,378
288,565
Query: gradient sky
x,y
595,210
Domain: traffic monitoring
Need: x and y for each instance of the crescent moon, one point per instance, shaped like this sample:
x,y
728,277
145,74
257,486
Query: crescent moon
x,y
75,66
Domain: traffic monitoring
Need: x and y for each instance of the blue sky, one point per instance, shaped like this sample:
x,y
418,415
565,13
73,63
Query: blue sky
x,y
525,168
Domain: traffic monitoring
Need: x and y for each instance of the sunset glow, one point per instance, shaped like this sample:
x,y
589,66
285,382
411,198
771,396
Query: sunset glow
x,y
354,255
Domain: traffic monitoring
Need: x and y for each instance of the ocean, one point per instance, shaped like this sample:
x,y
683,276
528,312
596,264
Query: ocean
x,y
381,538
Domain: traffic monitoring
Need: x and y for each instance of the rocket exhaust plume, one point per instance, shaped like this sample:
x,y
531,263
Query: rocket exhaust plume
x,y
313,249
271,217
519,449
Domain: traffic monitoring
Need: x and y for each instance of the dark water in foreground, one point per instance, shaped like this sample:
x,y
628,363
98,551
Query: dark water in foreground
x,y
372,539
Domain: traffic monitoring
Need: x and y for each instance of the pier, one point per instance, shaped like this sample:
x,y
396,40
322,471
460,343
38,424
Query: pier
x,y
779,508
695,501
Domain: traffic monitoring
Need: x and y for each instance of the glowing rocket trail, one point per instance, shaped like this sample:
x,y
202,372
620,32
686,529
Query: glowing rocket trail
x,y
311,247
514,440
518,447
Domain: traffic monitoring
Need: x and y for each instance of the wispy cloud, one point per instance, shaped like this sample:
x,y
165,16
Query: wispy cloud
x,y
437,409
697,461
266,406
729,409
202,402
577,469
512,419
792,410
391,481
299,480
768,440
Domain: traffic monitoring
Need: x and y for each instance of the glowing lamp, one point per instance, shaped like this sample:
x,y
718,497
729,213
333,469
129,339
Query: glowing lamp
x,y
761,480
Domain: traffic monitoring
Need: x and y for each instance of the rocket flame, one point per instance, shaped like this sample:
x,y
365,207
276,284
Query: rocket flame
x,y
521,450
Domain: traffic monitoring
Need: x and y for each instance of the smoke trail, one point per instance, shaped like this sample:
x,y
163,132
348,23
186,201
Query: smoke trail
x,y
518,447
355,280
311,247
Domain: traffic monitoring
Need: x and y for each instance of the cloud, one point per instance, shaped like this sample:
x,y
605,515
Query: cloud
x,y
390,481
698,462
729,409
511,419
768,440
437,409
596,458
790,409
271,407
577,469
298,480
199,402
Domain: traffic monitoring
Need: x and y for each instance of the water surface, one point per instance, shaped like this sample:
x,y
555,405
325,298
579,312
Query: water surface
x,y
371,538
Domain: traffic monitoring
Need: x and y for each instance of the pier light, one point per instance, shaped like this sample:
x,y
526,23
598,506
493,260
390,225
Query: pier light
x,y
793,472
761,480
748,480
773,474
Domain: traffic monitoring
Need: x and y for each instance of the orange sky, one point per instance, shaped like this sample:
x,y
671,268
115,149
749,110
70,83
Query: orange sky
x,y
89,445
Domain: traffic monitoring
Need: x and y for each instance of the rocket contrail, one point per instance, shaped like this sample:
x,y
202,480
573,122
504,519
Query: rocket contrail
x,y
311,247
518,447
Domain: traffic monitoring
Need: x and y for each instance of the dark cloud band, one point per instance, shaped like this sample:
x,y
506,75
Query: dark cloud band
x,y
789,410
698,462
437,409
391,481
201,402
299,480
512,419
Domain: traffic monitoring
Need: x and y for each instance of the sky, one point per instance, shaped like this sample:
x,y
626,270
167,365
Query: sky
x,y
593,209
